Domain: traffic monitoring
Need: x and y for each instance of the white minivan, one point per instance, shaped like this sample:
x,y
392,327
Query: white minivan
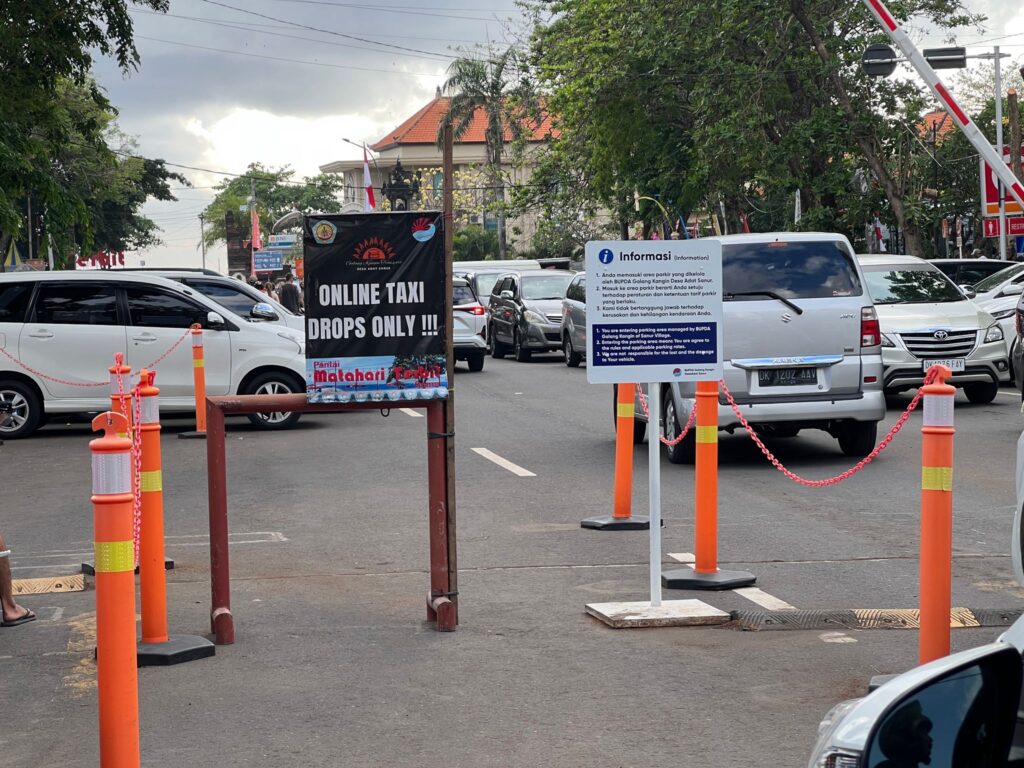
x,y
59,332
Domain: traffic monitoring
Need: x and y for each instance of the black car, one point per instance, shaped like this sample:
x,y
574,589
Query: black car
x,y
969,271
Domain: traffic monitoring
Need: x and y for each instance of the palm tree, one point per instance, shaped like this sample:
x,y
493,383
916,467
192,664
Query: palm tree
x,y
486,84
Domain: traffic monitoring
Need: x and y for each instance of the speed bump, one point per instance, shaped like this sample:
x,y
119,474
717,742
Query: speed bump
x,y
870,618
49,584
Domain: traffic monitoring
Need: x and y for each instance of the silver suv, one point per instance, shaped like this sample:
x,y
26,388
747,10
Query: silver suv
x,y
802,344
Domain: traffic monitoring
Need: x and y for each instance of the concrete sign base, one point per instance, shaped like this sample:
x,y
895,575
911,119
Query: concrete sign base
x,y
671,613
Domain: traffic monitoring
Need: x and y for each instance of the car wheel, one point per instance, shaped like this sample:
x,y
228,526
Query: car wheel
x,y
274,383
521,353
981,392
475,361
685,451
498,348
858,438
572,357
20,410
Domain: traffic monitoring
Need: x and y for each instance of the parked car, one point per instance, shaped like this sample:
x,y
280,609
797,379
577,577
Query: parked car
x,y
481,281
68,326
235,295
926,319
960,710
1008,281
574,320
802,345
468,324
968,271
526,313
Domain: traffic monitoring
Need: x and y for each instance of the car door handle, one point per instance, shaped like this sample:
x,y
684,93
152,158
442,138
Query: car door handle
x,y
144,337
41,334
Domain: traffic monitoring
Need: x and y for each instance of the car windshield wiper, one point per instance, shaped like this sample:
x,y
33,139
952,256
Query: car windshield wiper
x,y
770,294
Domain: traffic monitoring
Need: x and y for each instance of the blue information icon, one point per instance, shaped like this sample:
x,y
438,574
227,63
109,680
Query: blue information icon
x,y
606,256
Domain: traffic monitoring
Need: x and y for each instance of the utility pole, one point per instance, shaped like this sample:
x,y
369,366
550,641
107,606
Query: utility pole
x,y
202,238
252,232
1015,138
999,150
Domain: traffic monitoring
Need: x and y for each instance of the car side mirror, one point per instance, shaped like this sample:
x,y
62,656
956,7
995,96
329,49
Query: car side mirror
x,y
263,311
214,320
968,291
507,295
1012,290
964,716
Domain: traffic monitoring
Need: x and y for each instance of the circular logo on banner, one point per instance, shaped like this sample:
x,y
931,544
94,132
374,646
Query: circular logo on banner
x,y
324,232
423,229
677,372
606,256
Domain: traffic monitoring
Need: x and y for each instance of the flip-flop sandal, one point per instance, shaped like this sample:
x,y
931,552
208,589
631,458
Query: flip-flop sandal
x,y
25,619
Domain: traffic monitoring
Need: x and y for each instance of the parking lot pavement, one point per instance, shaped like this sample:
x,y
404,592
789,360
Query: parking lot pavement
x,y
334,665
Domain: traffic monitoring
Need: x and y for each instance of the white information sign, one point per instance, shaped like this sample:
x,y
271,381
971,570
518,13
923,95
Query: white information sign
x,y
654,311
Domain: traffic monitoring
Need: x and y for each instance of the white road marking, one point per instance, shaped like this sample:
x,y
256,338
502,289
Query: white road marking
x,y
836,637
683,557
1014,395
515,469
763,599
57,615
411,412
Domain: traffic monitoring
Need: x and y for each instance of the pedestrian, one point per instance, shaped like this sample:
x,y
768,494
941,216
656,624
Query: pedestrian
x,y
291,297
13,614
268,288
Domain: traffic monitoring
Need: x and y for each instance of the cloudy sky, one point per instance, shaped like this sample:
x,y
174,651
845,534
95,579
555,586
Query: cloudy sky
x,y
226,82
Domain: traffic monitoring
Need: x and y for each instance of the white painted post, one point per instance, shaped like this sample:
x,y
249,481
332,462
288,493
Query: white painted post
x,y
654,492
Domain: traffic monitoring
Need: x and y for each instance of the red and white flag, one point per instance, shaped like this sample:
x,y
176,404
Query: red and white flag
x,y
257,241
369,204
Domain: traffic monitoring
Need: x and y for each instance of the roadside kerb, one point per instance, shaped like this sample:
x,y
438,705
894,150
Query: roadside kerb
x,y
442,600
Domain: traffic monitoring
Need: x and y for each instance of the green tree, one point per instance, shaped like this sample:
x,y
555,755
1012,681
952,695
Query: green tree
x,y
474,243
495,87
46,43
277,193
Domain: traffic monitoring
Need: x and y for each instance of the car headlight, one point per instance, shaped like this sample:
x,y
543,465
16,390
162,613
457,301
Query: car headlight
x,y
1004,313
994,333
296,340
887,342
825,755
534,317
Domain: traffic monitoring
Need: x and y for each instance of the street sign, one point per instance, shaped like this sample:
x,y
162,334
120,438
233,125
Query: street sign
x,y
946,58
879,60
990,195
1014,226
268,260
287,240
654,311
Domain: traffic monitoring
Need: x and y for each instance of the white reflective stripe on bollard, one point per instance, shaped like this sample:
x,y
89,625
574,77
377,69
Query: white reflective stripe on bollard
x,y
197,339
938,410
654,475
150,409
111,473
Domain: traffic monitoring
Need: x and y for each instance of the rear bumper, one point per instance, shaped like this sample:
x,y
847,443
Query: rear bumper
x,y
464,346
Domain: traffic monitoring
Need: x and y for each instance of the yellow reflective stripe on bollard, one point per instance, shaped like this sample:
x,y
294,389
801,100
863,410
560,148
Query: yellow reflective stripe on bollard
x,y
936,478
707,434
624,410
114,556
198,364
151,481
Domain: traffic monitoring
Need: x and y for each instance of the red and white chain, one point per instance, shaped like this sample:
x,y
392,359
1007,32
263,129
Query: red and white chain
x,y
137,460
928,379
665,441
66,382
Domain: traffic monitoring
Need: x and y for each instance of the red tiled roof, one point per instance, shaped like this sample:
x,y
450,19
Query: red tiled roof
x,y
939,118
422,127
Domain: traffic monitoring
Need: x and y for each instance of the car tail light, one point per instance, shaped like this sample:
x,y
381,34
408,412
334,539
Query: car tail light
x,y
473,309
870,333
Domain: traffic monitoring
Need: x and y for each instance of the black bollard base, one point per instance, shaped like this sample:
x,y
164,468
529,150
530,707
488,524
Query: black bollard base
x,y
688,578
610,523
177,650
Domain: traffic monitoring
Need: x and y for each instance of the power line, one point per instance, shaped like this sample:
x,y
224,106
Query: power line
x,y
404,9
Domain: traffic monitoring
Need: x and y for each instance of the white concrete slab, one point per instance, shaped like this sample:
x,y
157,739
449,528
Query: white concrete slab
x,y
683,557
671,613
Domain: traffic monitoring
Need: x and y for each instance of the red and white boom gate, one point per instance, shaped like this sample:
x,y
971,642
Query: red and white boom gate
x,y
971,131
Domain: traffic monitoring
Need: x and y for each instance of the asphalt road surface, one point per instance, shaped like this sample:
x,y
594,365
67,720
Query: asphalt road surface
x,y
334,664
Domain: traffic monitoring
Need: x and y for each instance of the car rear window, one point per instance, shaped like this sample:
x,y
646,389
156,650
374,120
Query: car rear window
x,y
14,301
462,294
793,270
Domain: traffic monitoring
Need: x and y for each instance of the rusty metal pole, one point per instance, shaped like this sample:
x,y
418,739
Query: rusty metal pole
x,y
221,621
440,606
448,215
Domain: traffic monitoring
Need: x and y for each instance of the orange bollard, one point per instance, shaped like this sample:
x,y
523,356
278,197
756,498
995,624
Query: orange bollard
x,y
705,574
121,391
936,517
113,502
157,648
199,378
621,519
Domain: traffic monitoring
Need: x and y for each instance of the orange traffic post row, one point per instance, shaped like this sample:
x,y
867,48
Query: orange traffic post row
x,y
117,676
621,518
705,574
936,517
157,647
199,380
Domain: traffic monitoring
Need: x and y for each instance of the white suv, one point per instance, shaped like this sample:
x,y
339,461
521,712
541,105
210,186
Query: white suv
x,y
59,332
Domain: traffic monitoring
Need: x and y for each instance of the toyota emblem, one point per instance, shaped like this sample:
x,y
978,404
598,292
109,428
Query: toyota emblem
x,y
941,335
